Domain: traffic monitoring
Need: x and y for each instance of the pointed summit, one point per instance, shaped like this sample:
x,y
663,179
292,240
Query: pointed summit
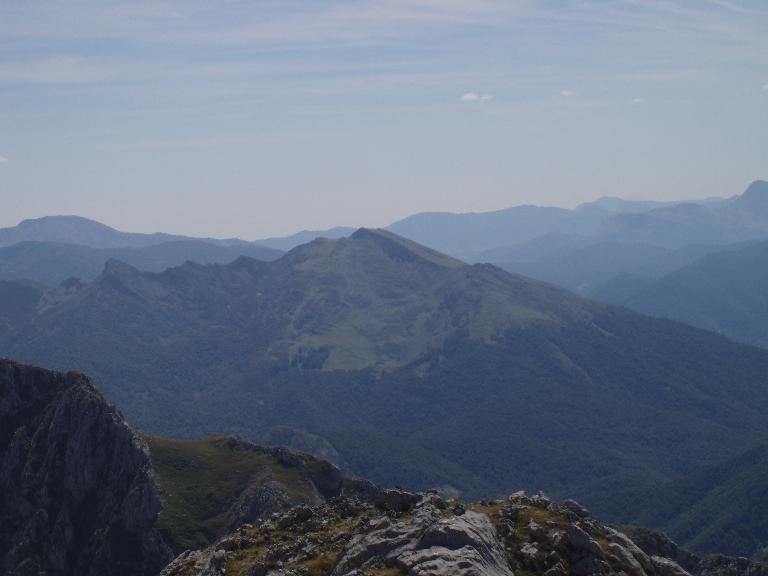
x,y
400,248
755,197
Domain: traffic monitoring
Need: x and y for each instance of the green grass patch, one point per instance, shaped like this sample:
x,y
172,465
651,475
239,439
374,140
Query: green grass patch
x,y
199,481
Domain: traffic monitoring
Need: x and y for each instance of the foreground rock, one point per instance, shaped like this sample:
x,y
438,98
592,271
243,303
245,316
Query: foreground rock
x,y
432,536
77,494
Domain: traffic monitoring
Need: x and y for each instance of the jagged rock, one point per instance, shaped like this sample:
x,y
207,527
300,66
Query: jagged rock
x,y
537,532
581,541
297,515
642,558
489,539
396,500
430,543
459,509
587,557
77,491
575,508
586,565
661,550
530,556
667,567
655,543
519,497
628,562
541,501
718,565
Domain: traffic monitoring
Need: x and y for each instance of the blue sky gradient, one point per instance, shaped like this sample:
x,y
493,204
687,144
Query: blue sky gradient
x,y
261,118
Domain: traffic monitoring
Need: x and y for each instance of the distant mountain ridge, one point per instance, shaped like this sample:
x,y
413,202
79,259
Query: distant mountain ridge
x,y
548,241
50,263
86,232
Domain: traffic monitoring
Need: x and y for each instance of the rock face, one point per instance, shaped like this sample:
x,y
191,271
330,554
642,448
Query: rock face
x,y
428,541
658,545
77,493
432,536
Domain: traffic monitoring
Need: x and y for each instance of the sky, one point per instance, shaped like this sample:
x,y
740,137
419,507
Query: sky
x,y
260,118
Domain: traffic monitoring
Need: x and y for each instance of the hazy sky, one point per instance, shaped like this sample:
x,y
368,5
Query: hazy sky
x,y
255,118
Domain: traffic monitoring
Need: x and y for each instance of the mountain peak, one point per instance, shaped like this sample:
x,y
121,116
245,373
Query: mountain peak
x,y
400,248
756,192
116,267
66,219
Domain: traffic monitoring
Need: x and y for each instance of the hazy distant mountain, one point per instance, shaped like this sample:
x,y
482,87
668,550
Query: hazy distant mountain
x,y
50,262
414,367
468,235
587,268
285,243
636,242
542,247
488,236
726,292
615,204
484,236
85,232
740,219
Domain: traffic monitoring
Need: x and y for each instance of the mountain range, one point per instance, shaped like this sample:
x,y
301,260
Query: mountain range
x,y
397,361
582,249
643,242
51,263
413,367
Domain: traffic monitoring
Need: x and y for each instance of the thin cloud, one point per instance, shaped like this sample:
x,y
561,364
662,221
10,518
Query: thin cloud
x,y
475,97
3,160
568,93
57,69
636,101
765,87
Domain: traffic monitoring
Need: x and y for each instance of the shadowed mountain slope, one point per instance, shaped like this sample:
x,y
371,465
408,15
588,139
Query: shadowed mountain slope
x,y
726,292
723,508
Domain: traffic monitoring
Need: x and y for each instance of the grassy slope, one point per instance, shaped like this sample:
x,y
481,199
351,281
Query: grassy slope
x,y
199,480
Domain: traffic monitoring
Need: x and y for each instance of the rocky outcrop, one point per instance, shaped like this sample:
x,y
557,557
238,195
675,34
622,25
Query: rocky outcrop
x,y
323,481
659,545
428,541
397,533
77,493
